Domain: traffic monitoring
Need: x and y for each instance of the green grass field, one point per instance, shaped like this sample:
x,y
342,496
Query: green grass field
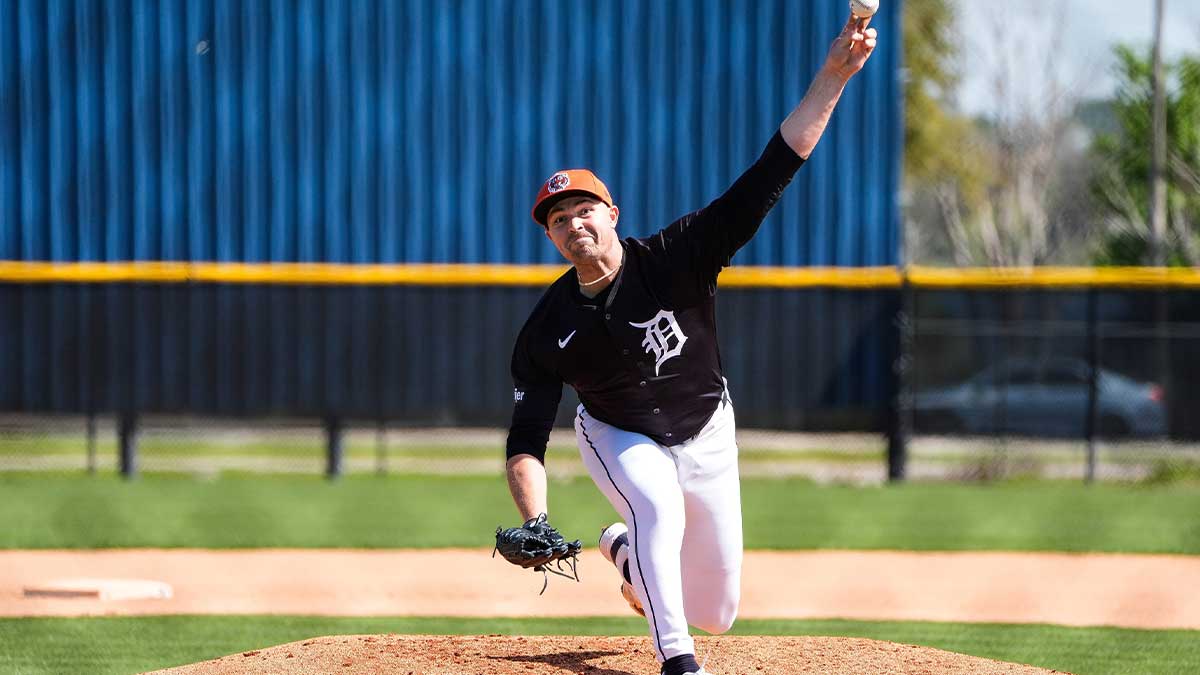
x,y
73,510
135,644
44,510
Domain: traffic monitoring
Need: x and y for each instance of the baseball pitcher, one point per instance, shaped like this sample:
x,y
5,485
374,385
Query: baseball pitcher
x,y
631,326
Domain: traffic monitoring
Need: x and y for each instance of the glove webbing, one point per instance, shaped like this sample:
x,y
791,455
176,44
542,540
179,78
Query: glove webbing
x,y
572,561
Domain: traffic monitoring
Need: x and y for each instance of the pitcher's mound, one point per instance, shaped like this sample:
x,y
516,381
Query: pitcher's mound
x,y
580,655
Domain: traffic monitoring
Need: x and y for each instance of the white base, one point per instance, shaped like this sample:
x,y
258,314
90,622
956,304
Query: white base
x,y
102,589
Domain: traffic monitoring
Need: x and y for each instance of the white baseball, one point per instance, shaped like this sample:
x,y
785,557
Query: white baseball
x,y
864,8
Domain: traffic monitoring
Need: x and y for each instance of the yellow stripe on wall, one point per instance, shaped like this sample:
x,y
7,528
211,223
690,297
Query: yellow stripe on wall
x,y
282,273
542,275
416,274
805,277
1056,277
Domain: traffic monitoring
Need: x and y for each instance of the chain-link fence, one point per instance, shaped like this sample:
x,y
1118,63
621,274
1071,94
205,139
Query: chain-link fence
x,y
209,446
1049,383
212,446
1086,384
228,377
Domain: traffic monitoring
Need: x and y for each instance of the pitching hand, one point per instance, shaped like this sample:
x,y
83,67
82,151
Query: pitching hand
x,y
852,48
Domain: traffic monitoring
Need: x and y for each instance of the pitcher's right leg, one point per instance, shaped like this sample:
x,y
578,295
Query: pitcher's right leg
x,y
712,545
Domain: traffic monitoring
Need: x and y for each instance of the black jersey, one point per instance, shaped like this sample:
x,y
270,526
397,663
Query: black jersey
x,y
643,354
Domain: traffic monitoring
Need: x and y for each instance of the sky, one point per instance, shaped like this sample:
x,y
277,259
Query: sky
x,y
1077,34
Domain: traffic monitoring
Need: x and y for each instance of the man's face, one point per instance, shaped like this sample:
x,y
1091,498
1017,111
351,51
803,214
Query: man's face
x,y
583,229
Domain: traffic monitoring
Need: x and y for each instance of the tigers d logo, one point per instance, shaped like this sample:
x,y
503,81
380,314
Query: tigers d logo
x,y
664,337
557,182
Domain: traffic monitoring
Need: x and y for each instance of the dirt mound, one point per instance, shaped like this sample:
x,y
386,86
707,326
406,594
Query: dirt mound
x,y
563,655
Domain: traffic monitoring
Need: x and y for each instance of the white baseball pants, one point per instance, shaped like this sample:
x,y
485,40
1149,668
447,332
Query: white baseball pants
x,y
683,506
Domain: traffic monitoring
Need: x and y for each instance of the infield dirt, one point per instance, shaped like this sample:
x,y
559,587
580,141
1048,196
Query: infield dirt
x,y
1135,591
501,655
1146,591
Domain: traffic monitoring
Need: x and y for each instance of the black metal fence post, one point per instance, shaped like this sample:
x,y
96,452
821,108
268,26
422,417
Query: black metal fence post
x,y
1162,353
333,435
1093,352
381,449
91,443
900,414
127,444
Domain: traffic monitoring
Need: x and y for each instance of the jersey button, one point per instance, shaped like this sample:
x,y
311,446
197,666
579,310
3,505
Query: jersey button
x,y
608,316
625,352
642,383
668,434
656,411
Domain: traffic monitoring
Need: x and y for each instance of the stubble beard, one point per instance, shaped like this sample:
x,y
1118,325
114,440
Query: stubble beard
x,y
585,253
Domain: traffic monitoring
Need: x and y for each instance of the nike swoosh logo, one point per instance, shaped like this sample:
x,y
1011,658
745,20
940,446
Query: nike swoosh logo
x,y
563,342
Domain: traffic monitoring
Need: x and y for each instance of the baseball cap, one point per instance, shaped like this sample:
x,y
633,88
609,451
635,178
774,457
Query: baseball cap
x,y
567,183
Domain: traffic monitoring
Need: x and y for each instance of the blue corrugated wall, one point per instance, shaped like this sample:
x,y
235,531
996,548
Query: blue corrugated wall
x,y
419,131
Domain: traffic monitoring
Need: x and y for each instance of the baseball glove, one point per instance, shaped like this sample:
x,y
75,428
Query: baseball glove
x,y
537,545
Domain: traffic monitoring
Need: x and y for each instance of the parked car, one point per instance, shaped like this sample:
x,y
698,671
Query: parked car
x,y
1042,397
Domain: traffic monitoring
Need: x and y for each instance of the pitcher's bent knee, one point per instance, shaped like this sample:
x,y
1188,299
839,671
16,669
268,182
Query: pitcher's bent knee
x,y
716,622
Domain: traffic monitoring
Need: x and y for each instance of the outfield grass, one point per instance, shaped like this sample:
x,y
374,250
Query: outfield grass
x,y
136,644
45,510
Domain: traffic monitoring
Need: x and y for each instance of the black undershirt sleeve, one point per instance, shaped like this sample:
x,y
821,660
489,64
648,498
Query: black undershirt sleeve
x,y
536,394
710,237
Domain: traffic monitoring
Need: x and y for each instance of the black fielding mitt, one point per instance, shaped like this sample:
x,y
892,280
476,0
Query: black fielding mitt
x,y
538,546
